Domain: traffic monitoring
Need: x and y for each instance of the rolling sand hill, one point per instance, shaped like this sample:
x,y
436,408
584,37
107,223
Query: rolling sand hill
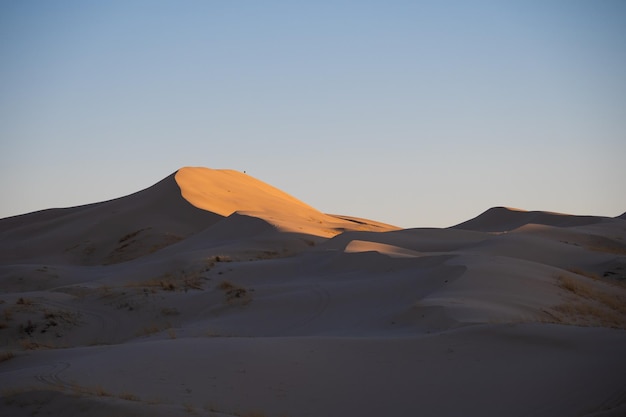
x,y
212,293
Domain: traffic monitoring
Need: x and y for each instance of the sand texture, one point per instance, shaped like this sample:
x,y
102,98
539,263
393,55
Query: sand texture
x,y
212,293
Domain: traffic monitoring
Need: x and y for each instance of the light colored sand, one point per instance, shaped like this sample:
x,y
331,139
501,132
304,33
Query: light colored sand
x,y
356,246
261,307
226,191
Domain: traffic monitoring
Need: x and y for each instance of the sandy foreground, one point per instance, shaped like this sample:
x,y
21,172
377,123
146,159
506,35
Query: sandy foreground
x,y
212,293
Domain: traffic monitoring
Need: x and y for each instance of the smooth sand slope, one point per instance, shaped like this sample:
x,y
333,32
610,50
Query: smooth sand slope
x,y
214,294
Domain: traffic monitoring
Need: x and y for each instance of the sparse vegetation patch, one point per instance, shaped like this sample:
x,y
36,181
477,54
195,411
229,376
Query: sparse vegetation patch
x,y
7,355
183,281
235,294
129,397
591,306
24,302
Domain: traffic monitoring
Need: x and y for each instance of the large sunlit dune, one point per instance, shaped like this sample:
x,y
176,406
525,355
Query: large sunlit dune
x,y
213,293
226,191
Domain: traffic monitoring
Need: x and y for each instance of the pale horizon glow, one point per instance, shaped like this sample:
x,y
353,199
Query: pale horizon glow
x,y
416,114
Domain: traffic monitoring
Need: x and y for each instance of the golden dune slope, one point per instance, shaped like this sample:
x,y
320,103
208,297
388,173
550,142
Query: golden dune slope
x,y
225,192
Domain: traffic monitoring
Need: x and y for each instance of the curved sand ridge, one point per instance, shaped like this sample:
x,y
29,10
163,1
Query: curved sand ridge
x,y
225,192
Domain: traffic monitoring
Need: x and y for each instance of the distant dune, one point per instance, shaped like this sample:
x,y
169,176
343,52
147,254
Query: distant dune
x,y
504,219
212,293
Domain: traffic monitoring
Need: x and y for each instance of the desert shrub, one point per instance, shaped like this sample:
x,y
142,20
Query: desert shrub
x,y
234,293
149,330
170,282
128,396
222,258
28,344
24,301
589,314
8,315
576,286
28,328
101,392
591,306
226,286
583,289
7,355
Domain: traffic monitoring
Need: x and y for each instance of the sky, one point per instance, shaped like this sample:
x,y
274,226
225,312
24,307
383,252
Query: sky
x,y
414,113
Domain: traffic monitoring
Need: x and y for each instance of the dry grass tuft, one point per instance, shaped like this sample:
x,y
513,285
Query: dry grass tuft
x,y
584,273
7,355
613,300
589,315
101,392
28,344
171,333
610,247
226,286
170,282
24,302
235,294
128,396
149,330
591,306
193,281
576,286
164,283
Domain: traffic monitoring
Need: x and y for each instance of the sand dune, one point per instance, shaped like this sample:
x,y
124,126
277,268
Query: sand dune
x,y
226,191
184,203
212,293
504,219
107,232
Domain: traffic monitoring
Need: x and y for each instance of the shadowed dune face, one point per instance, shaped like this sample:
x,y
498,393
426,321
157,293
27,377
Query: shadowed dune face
x,y
108,232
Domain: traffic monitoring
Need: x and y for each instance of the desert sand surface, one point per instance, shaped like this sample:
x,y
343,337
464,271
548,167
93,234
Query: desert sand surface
x,y
212,293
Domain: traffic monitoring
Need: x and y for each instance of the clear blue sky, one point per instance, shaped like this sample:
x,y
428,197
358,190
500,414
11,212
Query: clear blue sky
x,y
412,113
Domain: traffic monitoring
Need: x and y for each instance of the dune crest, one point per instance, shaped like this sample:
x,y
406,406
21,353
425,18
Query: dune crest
x,y
224,192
